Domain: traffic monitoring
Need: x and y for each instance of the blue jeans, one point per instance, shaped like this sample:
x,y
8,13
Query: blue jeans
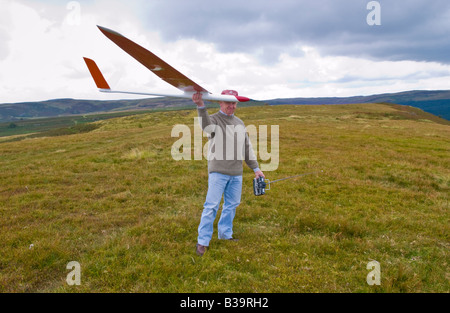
x,y
231,188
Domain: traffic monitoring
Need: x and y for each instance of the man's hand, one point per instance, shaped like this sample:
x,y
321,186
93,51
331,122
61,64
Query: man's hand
x,y
198,99
259,174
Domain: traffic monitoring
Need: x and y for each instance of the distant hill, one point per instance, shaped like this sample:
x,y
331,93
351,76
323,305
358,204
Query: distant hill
x,y
64,107
436,102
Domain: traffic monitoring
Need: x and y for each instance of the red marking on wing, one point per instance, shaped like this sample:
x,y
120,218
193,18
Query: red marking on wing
x,y
152,62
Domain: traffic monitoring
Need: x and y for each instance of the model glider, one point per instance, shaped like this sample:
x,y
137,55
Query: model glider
x,y
157,66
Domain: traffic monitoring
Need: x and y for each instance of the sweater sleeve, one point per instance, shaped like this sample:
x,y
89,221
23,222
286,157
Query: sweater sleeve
x,y
205,119
250,157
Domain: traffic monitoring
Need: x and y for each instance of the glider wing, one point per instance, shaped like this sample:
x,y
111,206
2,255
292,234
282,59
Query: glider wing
x,y
153,62
157,66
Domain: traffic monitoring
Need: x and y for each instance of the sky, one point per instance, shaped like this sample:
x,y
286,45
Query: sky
x,y
264,49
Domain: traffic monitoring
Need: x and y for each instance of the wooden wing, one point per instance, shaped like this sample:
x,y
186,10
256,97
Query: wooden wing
x,y
153,62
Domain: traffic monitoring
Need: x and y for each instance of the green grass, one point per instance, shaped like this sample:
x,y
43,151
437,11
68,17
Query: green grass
x,y
114,200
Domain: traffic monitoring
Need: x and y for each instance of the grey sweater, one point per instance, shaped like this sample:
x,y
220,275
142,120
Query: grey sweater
x,y
229,144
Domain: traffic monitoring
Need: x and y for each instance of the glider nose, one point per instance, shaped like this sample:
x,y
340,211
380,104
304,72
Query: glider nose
x,y
242,99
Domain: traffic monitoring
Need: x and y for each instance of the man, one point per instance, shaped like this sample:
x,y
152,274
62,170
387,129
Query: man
x,y
225,168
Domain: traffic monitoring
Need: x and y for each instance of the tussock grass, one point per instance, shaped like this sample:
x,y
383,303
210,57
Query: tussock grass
x,y
113,199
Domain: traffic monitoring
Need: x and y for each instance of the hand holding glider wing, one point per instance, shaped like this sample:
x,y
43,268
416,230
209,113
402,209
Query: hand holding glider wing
x,y
198,99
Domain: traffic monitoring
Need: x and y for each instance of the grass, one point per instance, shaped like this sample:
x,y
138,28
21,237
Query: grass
x,y
114,200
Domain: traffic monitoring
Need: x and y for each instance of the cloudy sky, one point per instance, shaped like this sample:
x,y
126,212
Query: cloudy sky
x,y
265,49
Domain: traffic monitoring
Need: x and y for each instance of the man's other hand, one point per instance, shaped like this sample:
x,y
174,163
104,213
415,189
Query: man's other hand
x,y
259,174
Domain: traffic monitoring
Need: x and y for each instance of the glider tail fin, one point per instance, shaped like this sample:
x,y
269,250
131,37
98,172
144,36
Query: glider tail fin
x,y
97,75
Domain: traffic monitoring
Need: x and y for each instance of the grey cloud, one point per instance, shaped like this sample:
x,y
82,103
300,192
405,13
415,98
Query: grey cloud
x,y
408,77
409,30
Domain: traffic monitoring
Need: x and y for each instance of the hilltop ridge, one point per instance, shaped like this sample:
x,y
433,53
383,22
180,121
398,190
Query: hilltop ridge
x,y
436,102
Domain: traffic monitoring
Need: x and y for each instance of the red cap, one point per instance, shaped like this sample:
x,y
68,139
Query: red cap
x,y
230,92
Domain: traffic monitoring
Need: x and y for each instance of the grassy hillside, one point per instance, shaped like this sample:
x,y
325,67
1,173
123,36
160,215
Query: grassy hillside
x,y
114,200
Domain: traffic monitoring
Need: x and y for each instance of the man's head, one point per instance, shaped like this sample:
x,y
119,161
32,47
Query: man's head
x,y
228,107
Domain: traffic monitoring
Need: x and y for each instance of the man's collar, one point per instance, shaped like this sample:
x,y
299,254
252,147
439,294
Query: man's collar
x,y
225,113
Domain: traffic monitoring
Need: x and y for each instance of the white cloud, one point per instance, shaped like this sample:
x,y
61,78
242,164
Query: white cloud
x,y
45,52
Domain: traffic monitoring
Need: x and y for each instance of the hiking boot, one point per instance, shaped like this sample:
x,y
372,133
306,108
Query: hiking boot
x,y
200,250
